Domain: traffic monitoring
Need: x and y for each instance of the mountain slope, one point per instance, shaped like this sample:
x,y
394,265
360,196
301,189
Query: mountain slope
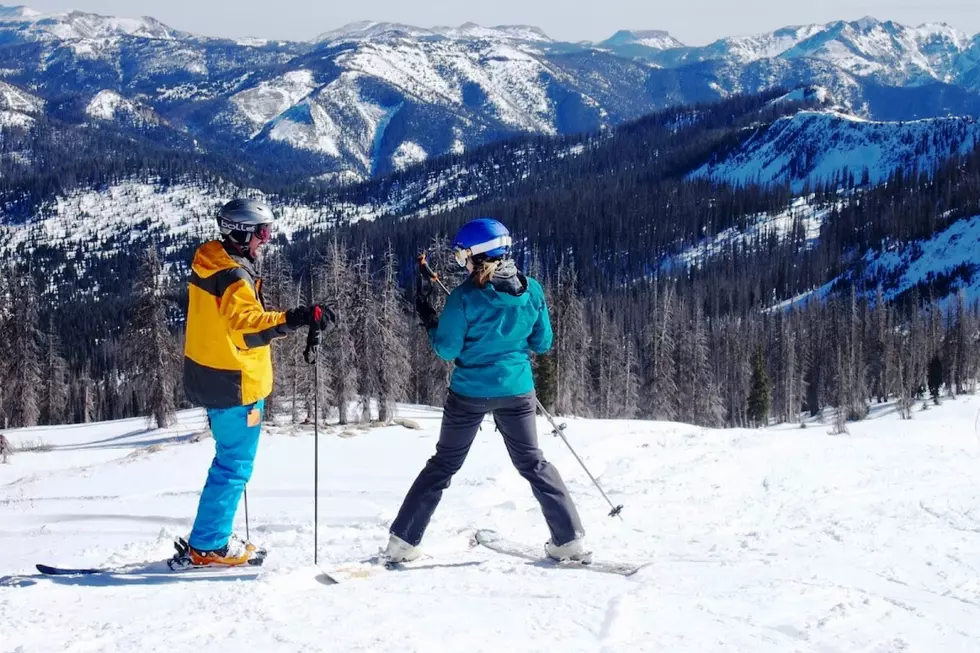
x,y
814,147
18,108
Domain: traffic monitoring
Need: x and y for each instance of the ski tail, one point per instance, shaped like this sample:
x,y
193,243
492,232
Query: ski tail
x,y
48,570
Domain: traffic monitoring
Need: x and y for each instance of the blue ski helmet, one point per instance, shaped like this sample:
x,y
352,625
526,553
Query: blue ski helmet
x,y
484,237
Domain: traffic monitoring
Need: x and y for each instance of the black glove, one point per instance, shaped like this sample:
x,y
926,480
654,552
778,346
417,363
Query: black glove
x,y
318,315
428,315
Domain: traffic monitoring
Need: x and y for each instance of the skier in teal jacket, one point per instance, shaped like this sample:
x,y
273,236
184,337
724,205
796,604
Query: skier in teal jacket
x,y
490,326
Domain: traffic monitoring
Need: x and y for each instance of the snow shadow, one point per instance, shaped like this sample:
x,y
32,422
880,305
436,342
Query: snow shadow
x,y
115,442
139,578
439,565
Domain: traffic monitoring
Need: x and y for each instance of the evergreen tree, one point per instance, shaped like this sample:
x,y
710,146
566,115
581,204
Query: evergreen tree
x,y
936,374
571,346
758,400
55,378
23,361
661,392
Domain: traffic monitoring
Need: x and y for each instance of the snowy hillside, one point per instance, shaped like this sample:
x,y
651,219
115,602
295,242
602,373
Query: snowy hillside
x,y
765,541
17,107
802,220
948,261
815,146
108,221
109,105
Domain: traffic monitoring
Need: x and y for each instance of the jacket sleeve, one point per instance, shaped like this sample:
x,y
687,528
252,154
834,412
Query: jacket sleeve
x,y
447,338
542,336
251,326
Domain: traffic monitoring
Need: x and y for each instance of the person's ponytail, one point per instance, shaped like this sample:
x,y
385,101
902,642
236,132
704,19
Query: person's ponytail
x,y
484,271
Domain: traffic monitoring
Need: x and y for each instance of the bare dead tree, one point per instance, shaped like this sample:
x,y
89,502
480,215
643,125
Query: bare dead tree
x,y
392,363
339,344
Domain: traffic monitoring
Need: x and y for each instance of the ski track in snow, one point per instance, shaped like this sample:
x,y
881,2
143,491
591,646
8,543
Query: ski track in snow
x,y
783,539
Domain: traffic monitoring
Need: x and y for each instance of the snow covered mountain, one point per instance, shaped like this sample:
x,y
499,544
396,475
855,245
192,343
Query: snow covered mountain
x,y
886,52
814,147
653,39
375,31
373,97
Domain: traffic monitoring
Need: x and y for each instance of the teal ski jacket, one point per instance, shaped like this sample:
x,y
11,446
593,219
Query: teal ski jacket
x,y
490,333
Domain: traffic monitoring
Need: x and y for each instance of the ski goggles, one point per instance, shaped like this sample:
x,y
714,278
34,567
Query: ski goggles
x,y
464,254
263,232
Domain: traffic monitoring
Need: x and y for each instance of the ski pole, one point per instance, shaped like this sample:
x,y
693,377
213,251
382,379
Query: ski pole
x,y
310,355
248,537
617,511
559,430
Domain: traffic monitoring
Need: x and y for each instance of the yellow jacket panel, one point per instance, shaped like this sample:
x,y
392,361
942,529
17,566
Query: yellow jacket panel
x,y
227,358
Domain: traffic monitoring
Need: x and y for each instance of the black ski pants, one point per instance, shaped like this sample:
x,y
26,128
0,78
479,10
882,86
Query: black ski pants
x,y
515,418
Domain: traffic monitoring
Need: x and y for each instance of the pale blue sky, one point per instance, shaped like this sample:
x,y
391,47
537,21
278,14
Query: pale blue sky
x,y
695,22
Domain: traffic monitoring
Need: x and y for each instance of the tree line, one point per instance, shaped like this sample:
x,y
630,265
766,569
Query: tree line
x,y
651,351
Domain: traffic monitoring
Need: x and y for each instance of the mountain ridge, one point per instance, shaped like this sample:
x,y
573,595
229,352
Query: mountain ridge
x,y
369,97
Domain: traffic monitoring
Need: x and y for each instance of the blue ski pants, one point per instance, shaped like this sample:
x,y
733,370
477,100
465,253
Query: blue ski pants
x,y
236,439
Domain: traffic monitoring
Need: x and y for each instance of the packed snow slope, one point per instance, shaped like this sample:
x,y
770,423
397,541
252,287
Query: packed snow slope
x,y
783,539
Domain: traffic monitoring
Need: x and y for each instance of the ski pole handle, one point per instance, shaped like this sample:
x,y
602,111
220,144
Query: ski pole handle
x,y
312,344
429,273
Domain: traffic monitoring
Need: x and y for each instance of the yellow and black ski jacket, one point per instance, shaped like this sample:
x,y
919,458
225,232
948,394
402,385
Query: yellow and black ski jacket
x,y
227,358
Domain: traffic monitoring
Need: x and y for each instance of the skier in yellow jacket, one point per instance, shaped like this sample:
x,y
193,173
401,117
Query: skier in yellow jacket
x,y
228,371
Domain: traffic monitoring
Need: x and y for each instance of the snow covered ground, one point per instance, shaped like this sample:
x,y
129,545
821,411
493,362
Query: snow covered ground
x,y
777,540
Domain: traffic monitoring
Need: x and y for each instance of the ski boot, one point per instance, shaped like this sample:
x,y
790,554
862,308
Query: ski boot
x,y
236,553
574,551
398,550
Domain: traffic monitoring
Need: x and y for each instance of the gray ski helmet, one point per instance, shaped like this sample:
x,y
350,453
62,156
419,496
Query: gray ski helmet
x,y
240,218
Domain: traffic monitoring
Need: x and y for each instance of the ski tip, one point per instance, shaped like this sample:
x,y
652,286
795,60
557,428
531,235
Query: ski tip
x,y
326,579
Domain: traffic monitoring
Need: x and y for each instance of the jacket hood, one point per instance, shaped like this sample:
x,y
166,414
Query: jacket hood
x,y
508,285
213,256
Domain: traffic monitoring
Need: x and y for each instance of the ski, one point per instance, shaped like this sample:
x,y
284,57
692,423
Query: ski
x,y
48,570
178,563
496,542
159,567
373,566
